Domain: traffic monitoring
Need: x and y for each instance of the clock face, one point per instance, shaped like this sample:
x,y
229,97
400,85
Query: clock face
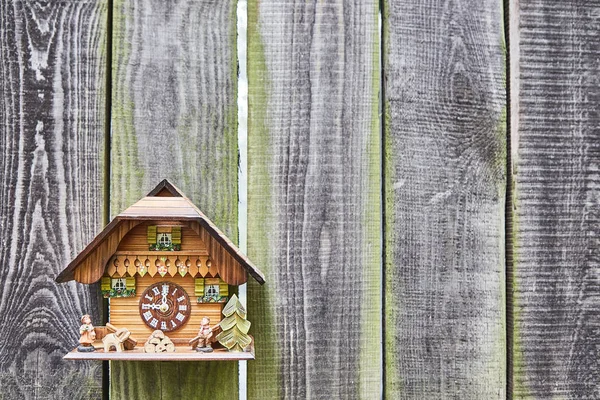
x,y
165,306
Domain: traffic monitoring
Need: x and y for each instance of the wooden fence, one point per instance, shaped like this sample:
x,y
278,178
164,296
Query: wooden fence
x,y
423,188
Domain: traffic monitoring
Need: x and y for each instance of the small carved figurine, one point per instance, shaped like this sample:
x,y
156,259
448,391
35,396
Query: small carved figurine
x,y
116,340
88,335
203,339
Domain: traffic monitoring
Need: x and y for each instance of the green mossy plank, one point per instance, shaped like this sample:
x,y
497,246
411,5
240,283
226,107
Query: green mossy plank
x,y
314,179
555,158
174,380
136,380
174,111
52,72
174,115
445,179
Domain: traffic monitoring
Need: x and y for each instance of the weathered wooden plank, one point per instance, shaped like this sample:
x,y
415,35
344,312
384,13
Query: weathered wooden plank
x,y
174,116
174,99
51,136
555,158
445,178
314,224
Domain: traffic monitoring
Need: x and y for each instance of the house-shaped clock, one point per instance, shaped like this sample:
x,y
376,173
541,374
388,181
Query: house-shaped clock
x,y
166,270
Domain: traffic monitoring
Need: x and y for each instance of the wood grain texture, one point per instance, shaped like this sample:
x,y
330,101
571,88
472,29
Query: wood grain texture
x,y
314,224
555,158
51,135
229,269
124,311
445,144
174,115
136,242
174,103
92,268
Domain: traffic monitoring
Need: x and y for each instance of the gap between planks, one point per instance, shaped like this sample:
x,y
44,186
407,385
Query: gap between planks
x,y
242,103
106,170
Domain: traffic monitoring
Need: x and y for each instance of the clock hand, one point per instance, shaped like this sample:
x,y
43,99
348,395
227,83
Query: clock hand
x,y
163,307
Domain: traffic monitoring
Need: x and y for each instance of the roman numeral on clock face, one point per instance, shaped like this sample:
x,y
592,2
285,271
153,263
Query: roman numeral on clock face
x,y
147,315
154,322
182,307
155,291
148,297
163,325
180,299
180,316
173,324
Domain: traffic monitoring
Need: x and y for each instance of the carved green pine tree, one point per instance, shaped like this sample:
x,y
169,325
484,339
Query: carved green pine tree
x,y
235,326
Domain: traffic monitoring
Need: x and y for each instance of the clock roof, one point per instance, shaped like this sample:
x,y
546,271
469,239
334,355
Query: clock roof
x,y
165,203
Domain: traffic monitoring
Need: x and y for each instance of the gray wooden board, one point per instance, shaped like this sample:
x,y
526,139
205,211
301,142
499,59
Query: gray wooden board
x,y
174,103
174,115
52,68
445,147
556,156
314,193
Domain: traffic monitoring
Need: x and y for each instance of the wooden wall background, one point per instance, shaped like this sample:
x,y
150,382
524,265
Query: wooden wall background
x,y
174,115
444,245
445,180
314,203
556,199
52,75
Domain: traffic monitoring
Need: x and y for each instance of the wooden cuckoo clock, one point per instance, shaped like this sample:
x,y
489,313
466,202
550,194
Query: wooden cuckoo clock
x,y
170,276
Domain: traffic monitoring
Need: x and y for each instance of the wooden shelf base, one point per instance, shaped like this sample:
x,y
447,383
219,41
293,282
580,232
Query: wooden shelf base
x,y
180,354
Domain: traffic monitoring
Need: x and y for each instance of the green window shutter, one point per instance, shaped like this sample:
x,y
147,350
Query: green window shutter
x,y
199,291
152,234
223,288
211,281
130,283
105,283
176,235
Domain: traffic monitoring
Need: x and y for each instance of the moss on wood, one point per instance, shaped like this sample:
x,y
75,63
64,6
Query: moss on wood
x,y
125,171
202,162
371,320
264,371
